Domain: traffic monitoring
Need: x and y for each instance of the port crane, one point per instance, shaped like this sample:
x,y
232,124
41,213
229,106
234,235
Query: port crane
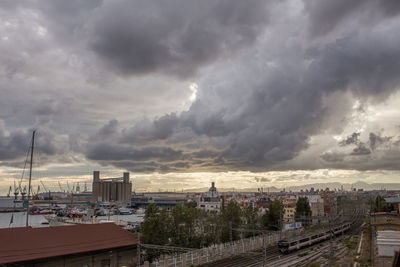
x,y
61,189
15,191
9,191
23,192
45,188
69,189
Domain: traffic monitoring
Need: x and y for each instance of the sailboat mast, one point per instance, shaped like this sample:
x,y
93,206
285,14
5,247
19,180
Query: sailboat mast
x,y
30,177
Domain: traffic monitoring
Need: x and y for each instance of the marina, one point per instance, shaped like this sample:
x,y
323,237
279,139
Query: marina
x,y
18,220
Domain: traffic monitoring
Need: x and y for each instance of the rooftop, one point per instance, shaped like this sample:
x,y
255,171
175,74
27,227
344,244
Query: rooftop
x,y
28,244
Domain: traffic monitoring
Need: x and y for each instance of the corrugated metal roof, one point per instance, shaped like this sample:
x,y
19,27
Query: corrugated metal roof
x,y
26,243
388,237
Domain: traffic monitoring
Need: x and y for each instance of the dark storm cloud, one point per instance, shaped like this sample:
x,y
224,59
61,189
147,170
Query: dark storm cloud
x,y
175,37
147,130
14,145
333,157
377,152
262,90
206,154
326,15
375,140
350,140
269,117
109,152
361,149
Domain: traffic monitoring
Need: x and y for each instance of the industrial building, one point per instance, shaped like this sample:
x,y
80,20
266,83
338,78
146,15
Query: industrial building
x,y
111,189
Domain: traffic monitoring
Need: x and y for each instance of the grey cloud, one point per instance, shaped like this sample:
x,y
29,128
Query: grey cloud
x,y
353,139
326,15
261,83
376,140
147,130
175,37
333,157
361,149
262,179
269,118
111,152
109,129
15,145
205,153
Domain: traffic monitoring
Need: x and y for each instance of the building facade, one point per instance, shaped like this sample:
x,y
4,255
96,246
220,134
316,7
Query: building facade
x,y
317,207
210,200
289,212
111,189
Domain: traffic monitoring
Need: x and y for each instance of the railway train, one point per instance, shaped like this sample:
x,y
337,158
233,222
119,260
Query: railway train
x,y
289,245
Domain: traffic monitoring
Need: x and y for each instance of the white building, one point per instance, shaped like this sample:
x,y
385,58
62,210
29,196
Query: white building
x,y
388,242
210,201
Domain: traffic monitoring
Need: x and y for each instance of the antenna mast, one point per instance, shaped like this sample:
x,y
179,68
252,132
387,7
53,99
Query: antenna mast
x,y
30,176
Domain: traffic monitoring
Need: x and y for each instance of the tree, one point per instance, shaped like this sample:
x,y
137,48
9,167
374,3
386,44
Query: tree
x,y
230,217
303,210
251,219
185,228
155,229
272,219
380,204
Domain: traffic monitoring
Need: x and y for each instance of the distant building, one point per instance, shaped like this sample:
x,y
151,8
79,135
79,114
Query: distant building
x,y
111,189
317,207
166,200
210,200
329,199
395,201
79,245
289,212
388,242
263,203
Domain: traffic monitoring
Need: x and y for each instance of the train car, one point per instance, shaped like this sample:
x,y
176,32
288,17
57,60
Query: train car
x,y
289,245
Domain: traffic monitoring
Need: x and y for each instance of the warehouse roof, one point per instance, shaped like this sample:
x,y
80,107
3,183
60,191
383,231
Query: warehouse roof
x,y
28,244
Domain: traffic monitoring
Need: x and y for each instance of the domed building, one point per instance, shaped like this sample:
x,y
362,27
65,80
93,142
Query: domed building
x,y
210,201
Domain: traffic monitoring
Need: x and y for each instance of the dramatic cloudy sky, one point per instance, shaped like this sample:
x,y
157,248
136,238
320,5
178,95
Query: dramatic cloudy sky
x,y
181,92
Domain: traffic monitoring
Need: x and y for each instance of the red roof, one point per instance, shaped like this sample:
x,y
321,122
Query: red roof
x,y
26,243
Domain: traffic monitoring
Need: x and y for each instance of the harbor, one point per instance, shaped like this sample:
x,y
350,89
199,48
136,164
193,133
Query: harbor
x,y
17,219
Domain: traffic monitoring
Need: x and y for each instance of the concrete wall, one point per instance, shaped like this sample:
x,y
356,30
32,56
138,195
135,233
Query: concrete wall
x,y
117,258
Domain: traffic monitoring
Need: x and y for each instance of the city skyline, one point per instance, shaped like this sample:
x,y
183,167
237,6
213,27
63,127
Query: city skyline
x,y
183,93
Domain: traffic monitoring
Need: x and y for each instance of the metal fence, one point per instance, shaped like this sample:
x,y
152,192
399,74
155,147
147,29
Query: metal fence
x,y
220,251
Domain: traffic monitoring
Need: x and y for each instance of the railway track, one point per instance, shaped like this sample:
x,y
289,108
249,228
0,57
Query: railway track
x,y
275,258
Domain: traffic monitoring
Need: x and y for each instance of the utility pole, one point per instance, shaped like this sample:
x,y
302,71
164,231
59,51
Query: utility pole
x,y
30,178
264,252
331,253
138,249
230,236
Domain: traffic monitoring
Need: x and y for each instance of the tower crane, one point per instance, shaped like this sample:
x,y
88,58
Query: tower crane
x,y
59,184
15,191
23,192
45,188
9,191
